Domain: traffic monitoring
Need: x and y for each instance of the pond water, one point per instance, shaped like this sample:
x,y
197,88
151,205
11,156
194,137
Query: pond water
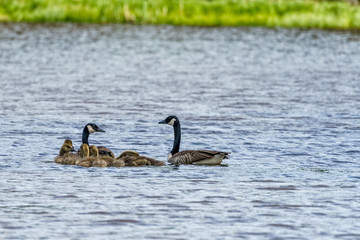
x,y
285,103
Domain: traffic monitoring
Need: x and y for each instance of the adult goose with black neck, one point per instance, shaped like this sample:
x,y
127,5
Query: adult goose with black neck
x,y
91,128
198,157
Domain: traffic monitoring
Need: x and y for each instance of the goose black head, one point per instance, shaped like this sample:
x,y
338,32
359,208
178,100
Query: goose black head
x,y
91,127
171,120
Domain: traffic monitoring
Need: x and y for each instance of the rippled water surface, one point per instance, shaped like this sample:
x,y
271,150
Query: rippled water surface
x,y
285,103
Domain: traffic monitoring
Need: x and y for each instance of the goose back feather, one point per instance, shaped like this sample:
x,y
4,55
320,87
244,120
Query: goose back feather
x,y
199,157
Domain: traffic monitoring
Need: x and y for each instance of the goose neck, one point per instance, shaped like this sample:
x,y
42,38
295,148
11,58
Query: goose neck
x,y
85,135
177,138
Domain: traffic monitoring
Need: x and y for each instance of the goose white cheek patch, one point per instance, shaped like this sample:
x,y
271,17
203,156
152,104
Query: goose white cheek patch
x,y
172,122
91,130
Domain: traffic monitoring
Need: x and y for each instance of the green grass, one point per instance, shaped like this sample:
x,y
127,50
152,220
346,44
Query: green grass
x,y
269,13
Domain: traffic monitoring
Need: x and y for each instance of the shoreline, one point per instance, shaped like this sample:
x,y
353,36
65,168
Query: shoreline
x,y
302,14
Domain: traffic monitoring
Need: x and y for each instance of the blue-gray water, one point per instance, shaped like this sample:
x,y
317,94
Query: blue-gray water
x,y
285,103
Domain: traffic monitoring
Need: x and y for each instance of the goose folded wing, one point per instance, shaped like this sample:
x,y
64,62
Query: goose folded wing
x,y
200,155
191,156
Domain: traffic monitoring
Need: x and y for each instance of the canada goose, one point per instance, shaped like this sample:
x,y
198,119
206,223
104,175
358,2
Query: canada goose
x,y
65,156
91,128
198,157
134,159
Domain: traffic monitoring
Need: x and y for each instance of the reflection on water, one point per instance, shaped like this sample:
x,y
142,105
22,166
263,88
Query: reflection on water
x,y
283,102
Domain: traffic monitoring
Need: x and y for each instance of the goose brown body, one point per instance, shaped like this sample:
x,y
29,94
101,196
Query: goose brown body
x,y
198,157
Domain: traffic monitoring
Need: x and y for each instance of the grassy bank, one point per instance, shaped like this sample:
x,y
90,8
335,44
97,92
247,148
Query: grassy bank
x,y
270,13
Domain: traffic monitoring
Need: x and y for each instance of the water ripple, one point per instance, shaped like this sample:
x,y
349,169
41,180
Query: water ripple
x,y
282,101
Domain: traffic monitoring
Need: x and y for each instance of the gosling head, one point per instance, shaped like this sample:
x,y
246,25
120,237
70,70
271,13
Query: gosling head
x,y
170,120
84,150
91,127
68,141
93,151
66,147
